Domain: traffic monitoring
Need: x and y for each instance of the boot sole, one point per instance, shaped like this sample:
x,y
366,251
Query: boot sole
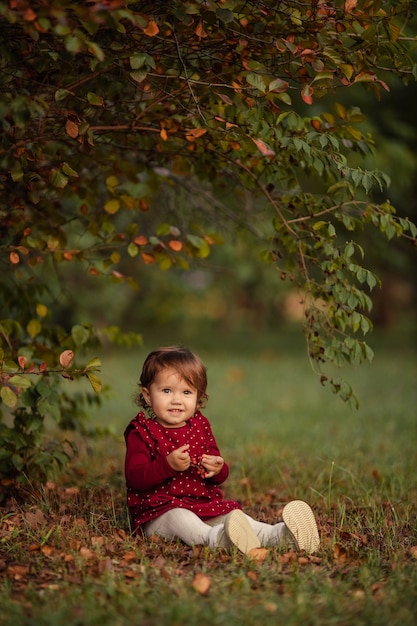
x,y
299,519
239,532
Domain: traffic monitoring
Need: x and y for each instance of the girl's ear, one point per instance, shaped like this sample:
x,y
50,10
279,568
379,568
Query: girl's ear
x,y
145,393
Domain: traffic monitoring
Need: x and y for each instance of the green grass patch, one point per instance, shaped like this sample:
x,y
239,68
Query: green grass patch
x,y
67,556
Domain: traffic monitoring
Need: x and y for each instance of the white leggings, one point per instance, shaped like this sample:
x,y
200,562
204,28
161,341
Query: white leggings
x,y
187,526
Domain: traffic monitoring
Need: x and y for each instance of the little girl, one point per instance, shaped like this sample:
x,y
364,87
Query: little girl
x,y
174,468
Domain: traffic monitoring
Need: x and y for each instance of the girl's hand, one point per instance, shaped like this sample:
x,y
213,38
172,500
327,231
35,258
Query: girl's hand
x,y
213,464
179,459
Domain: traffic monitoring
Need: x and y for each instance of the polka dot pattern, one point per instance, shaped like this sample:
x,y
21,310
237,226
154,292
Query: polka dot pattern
x,y
148,444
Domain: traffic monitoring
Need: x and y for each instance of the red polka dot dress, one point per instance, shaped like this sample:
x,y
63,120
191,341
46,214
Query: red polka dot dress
x,y
153,487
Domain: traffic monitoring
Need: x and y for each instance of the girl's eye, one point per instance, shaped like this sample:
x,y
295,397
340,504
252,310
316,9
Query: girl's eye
x,y
165,390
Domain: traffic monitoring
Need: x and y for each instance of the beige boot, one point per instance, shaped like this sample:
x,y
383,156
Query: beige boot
x,y
239,532
299,520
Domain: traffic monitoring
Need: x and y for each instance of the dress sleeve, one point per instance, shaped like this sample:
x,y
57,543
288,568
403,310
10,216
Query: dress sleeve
x,y
141,471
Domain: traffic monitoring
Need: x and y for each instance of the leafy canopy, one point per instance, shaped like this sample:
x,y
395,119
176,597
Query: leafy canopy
x,y
105,102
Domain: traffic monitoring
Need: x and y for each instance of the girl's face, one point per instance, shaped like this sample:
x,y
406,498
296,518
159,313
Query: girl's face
x,y
172,399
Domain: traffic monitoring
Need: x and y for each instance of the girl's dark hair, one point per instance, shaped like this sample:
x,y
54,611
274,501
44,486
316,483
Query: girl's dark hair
x,y
180,359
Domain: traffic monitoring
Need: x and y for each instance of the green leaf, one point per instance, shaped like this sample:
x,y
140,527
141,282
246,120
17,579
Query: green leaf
x,y
67,169
58,179
141,59
80,334
21,380
278,85
94,99
96,50
61,94
257,81
138,75
132,250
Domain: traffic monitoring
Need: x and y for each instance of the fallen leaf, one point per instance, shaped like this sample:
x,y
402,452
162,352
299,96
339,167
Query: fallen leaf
x,y
47,550
339,552
86,553
35,517
413,552
129,556
97,541
201,583
18,571
258,554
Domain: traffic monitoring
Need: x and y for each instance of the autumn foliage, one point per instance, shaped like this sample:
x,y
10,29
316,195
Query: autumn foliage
x,y
105,103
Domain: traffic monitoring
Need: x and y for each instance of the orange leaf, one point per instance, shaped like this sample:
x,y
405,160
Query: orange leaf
x,y
86,553
263,148
175,245
199,31
316,124
195,133
71,128
413,552
14,258
140,241
152,29
163,134
22,360
350,5
201,583
148,258
258,554
29,15
66,358
307,93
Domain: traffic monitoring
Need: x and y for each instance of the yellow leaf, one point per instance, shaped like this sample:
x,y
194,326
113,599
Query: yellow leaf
x,y
41,310
112,206
34,328
8,396
95,382
93,363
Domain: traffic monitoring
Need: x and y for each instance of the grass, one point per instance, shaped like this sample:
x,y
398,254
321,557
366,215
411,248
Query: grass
x,y
67,557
